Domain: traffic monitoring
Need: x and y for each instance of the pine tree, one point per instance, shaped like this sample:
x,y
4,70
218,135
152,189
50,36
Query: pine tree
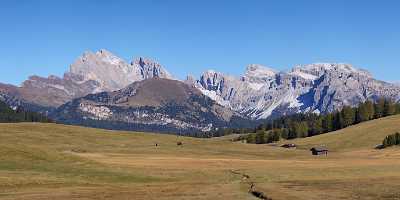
x,y
276,135
259,139
369,106
251,138
348,116
301,129
397,138
379,108
285,133
397,108
389,108
316,126
362,113
327,123
338,121
391,140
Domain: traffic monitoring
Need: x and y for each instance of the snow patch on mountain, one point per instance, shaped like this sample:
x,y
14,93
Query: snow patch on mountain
x,y
215,97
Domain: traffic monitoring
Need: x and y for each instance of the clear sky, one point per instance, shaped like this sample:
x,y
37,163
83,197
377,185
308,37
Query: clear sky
x,y
190,36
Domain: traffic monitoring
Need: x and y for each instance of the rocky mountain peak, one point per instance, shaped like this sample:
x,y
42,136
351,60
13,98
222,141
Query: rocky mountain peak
x,y
319,69
89,73
257,70
92,62
142,61
112,72
109,57
149,68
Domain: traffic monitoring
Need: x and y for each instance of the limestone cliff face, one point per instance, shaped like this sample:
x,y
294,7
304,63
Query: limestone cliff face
x,y
90,73
113,73
323,87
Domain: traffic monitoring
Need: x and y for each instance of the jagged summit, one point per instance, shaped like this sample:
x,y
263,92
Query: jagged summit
x,y
253,70
113,73
109,57
320,87
91,72
149,68
318,69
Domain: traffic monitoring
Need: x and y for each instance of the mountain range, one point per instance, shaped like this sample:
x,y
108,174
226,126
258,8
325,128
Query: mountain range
x,y
320,88
103,90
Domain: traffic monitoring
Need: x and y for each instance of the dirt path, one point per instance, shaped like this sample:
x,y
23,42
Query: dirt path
x,y
246,179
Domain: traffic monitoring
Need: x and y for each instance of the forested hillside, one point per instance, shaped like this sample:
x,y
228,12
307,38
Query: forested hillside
x,y
19,115
311,124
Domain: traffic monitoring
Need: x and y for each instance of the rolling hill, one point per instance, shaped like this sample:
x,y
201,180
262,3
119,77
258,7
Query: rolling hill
x,y
362,136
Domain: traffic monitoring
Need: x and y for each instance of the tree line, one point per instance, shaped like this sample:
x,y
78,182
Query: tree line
x,y
8,115
311,124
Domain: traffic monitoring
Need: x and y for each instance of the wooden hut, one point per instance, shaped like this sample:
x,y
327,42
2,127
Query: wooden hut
x,y
288,146
319,151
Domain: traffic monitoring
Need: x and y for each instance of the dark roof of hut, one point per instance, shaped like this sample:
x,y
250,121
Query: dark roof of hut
x,y
319,149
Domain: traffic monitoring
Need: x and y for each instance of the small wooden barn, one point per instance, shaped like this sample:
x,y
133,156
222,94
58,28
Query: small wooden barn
x,y
319,151
288,146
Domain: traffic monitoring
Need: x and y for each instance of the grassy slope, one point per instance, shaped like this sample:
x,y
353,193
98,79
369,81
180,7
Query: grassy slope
x,y
49,161
362,136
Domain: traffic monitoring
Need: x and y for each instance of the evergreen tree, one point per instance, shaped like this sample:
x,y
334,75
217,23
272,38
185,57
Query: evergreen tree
x,y
285,133
379,108
362,113
389,141
389,108
276,135
397,138
369,106
397,108
338,121
260,137
316,126
251,138
328,123
348,116
301,129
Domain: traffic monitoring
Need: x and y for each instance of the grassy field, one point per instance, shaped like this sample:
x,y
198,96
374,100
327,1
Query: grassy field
x,y
49,161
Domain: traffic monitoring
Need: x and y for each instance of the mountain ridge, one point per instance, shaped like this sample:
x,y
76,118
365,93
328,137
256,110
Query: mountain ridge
x,y
175,106
319,87
260,93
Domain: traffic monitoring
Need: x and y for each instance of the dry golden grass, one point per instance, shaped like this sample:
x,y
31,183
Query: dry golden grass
x,y
48,161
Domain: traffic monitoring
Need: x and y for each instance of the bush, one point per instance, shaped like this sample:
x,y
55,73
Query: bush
x,y
391,140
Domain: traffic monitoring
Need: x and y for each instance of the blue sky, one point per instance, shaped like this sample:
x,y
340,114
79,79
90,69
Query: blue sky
x,y
188,36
